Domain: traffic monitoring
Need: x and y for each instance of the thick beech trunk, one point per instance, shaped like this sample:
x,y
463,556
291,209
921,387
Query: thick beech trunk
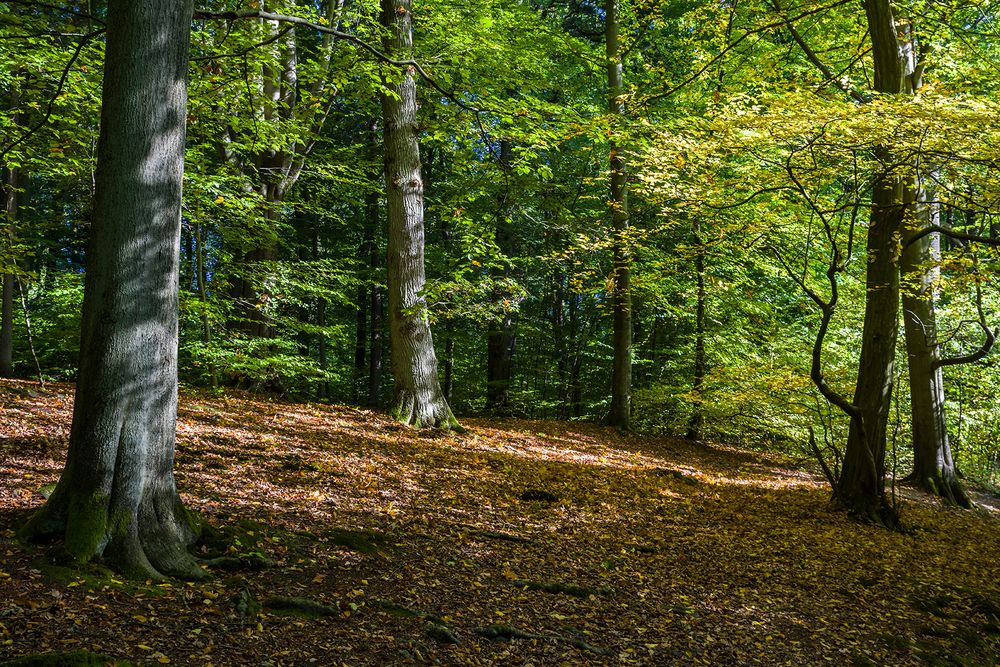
x,y
116,499
862,482
621,372
418,397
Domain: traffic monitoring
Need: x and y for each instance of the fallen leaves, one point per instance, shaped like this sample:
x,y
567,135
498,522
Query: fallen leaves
x,y
588,546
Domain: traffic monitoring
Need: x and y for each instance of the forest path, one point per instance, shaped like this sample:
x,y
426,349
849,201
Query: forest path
x,y
526,542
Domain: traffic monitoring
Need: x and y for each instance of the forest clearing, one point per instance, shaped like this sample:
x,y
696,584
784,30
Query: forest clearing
x,y
601,548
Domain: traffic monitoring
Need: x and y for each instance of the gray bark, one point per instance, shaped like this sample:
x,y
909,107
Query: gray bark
x,y
933,466
621,373
117,499
419,400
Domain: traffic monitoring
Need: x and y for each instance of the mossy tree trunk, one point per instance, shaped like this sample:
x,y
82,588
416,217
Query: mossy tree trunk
x,y
419,400
116,499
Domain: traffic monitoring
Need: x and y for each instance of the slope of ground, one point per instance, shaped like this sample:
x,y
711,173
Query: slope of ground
x,y
515,543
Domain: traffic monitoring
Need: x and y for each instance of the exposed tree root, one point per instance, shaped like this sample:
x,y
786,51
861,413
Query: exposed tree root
x,y
948,488
300,606
509,632
558,588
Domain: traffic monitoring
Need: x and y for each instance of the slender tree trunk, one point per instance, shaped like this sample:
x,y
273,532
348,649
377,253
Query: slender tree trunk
x,y
360,374
621,374
10,183
418,397
323,388
576,365
700,364
449,359
375,299
559,343
117,498
7,279
501,340
202,278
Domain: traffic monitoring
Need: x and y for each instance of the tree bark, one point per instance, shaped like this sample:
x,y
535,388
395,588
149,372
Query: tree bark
x,y
7,279
700,364
116,498
373,230
933,466
419,400
7,276
501,340
862,482
201,276
621,373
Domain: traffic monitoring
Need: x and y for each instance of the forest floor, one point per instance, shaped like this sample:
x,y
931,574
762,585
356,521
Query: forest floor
x,y
515,543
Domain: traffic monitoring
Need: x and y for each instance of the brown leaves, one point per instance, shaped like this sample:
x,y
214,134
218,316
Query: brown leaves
x,y
656,551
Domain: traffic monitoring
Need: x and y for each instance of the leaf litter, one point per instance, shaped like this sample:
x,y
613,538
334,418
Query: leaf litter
x,y
342,538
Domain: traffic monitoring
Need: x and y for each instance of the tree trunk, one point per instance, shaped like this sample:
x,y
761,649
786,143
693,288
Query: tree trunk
x,y
116,498
576,363
500,342
418,397
621,373
202,278
7,280
7,325
375,346
862,481
933,467
700,365
7,272
360,374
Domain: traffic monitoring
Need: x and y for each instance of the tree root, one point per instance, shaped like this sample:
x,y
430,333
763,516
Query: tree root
x,y
238,563
560,588
509,632
300,607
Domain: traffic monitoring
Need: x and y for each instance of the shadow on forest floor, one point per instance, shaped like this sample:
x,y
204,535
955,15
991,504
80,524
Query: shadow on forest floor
x,y
517,542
